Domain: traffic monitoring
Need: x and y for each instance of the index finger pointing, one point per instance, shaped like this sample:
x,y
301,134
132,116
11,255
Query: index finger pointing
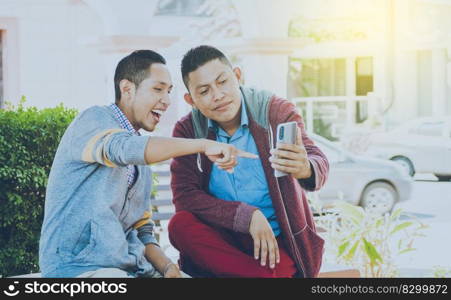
x,y
245,154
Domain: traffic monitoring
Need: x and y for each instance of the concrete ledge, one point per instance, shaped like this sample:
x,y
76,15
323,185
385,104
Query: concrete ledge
x,y
338,271
327,271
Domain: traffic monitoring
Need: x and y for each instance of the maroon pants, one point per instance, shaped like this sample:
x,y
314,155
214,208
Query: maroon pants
x,y
207,251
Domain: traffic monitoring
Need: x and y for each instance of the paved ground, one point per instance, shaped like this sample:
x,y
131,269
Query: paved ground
x,y
431,203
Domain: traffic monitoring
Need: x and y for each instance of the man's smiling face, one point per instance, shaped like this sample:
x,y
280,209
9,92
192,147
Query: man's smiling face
x,y
151,99
214,90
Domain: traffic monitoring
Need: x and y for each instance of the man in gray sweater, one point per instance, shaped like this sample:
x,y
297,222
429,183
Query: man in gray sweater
x,y
97,209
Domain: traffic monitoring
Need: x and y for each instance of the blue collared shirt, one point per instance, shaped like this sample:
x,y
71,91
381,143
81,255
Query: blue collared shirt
x,y
248,182
125,124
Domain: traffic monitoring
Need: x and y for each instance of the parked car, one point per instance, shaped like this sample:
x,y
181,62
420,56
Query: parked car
x,y
420,146
375,184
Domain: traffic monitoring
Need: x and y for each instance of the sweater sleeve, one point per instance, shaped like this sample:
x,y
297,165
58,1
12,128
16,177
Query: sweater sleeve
x,y
98,141
145,226
190,194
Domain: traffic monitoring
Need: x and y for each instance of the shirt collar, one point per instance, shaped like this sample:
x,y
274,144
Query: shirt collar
x,y
244,118
123,121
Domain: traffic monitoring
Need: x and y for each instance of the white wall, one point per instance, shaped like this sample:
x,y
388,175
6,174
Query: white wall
x,y
54,64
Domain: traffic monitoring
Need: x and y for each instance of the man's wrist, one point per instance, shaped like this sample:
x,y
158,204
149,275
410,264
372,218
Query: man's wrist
x,y
309,183
203,145
304,174
168,266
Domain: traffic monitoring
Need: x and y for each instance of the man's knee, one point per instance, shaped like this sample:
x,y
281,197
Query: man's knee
x,y
180,221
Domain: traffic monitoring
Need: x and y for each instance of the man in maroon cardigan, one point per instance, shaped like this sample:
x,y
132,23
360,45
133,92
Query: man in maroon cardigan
x,y
247,223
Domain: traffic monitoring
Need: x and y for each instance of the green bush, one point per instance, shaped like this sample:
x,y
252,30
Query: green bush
x,y
28,141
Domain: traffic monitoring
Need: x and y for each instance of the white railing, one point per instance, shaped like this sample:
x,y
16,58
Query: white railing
x,y
349,101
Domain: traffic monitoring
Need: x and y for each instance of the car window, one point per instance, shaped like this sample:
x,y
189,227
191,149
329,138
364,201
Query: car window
x,y
429,129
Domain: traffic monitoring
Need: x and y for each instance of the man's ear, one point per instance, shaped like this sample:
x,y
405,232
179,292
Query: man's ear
x,y
127,88
237,72
189,100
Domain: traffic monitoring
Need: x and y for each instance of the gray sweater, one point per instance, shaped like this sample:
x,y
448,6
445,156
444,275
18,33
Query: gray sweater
x,y
92,219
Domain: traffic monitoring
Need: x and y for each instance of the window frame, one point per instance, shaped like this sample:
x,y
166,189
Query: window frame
x,y
10,59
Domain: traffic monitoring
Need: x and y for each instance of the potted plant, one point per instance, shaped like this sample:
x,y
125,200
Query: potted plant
x,y
365,241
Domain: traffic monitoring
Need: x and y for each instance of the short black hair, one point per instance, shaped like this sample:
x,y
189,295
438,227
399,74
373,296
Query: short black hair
x,y
199,56
135,67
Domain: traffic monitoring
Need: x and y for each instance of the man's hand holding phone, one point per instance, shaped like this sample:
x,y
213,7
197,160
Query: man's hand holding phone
x,y
291,158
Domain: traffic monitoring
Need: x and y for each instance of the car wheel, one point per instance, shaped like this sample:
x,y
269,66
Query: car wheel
x,y
379,198
443,178
405,163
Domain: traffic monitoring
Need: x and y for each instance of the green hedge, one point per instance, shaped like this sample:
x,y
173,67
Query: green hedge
x,y
28,141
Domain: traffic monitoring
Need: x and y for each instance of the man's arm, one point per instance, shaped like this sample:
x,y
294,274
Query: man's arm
x,y
116,147
153,253
97,141
161,262
161,148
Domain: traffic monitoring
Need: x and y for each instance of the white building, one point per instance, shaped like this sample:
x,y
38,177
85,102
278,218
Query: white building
x,y
55,51
399,51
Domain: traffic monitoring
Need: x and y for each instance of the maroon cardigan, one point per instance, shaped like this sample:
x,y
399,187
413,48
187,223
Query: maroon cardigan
x,y
190,189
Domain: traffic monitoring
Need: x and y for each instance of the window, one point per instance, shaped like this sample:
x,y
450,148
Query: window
x,y
9,60
333,77
182,8
327,77
364,85
319,77
364,75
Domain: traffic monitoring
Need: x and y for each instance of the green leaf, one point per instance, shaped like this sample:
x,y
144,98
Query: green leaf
x,y
419,235
401,227
406,250
351,252
342,248
371,251
379,222
355,213
395,215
